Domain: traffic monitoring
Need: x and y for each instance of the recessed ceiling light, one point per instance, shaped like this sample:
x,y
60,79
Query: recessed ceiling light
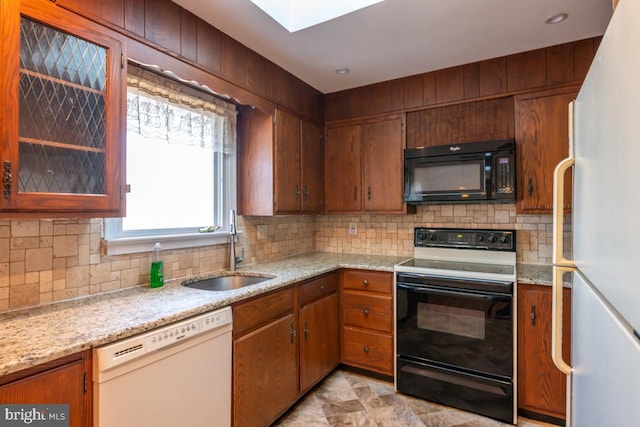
x,y
296,15
342,71
558,17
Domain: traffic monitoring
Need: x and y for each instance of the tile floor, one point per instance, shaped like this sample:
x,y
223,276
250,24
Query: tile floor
x,y
350,399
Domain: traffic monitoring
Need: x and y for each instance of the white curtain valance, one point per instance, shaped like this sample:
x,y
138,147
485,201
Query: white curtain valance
x,y
160,109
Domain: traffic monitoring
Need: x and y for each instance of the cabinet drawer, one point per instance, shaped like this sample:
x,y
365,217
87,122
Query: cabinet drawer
x,y
372,281
368,311
368,350
257,312
317,288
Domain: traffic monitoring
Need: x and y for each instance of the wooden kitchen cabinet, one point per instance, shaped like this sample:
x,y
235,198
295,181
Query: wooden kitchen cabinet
x,y
280,164
265,358
542,141
364,166
367,320
63,381
62,126
459,123
541,386
319,340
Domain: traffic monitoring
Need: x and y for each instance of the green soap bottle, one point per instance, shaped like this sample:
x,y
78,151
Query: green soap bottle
x,y
157,268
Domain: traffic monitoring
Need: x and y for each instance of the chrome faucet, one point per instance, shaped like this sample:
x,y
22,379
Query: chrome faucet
x,y
233,232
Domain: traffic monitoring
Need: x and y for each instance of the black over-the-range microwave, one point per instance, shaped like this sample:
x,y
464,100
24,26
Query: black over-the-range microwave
x,y
469,172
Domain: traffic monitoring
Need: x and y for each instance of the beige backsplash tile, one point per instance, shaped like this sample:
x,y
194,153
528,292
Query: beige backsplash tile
x,y
43,261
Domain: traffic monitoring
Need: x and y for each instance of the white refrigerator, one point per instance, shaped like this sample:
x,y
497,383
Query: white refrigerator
x,y
604,370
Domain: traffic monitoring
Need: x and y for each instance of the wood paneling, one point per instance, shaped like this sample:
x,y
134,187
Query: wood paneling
x,y
429,88
259,72
584,51
162,23
112,11
208,47
492,75
526,70
449,84
551,67
412,90
189,35
560,64
134,15
471,80
234,60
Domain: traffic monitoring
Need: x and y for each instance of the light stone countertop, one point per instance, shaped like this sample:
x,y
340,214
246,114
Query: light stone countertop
x,y
33,336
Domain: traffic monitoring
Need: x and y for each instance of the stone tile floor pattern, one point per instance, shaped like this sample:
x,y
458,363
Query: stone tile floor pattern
x,y
350,399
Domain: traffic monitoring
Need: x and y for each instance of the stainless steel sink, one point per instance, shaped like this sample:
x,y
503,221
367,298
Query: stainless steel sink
x,y
225,283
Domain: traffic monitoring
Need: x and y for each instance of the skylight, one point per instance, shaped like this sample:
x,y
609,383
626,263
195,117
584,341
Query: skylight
x,y
295,15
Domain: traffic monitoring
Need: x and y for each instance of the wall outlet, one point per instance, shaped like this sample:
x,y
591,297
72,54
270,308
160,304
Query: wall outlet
x,y
353,229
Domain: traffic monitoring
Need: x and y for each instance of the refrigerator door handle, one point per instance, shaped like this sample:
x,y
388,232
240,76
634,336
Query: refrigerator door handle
x,y
556,319
558,214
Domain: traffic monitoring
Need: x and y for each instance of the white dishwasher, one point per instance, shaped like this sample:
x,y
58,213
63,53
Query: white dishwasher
x,y
177,375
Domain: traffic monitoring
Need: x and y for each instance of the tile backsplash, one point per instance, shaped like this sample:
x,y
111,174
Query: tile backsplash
x,y
42,261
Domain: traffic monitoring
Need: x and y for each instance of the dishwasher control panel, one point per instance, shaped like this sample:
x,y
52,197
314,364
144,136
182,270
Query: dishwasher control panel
x,y
128,349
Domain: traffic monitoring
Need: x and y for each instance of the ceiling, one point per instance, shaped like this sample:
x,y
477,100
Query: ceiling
x,y
398,38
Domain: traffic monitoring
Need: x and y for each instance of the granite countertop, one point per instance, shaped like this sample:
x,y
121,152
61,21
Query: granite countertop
x,y
40,334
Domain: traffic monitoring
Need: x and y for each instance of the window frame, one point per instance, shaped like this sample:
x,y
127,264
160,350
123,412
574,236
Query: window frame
x,y
117,241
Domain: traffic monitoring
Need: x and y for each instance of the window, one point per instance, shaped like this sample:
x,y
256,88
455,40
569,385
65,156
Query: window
x,y
180,167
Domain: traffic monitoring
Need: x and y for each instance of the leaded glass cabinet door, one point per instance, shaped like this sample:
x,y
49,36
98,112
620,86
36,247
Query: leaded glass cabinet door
x,y
62,124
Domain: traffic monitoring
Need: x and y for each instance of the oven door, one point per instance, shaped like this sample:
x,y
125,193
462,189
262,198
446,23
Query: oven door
x,y
455,326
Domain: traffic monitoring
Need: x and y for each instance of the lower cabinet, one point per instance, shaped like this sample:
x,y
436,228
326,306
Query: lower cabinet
x,y
284,343
367,320
63,381
319,340
541,386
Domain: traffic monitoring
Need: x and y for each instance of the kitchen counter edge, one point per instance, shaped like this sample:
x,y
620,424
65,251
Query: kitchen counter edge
x,y
40,334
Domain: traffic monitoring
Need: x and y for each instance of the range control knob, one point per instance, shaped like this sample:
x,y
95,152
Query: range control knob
x,y
504,238
422,236
492,238
433,236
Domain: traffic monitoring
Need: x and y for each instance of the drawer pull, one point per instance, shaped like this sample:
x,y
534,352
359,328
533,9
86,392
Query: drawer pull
x,y
322,289
366,349
366,311
365,282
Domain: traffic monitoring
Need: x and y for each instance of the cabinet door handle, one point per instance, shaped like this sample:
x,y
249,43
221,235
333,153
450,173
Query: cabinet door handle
x,y
292,331
369,193
306,330
366,349
306,193
530,187
355,193
366,312
365,283
533,315
297,192
7,179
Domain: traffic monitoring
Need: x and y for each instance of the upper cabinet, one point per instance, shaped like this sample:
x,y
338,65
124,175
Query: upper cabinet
x,y
364,164
280,164
458,123
542,141
63,119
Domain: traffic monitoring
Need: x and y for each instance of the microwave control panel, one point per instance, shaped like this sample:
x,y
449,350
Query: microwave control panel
x,y
504,174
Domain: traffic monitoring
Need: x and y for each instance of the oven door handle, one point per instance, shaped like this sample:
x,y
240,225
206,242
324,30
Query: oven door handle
x,y
431,290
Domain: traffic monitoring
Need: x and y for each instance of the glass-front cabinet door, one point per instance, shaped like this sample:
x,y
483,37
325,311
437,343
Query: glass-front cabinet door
x,y
62,118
